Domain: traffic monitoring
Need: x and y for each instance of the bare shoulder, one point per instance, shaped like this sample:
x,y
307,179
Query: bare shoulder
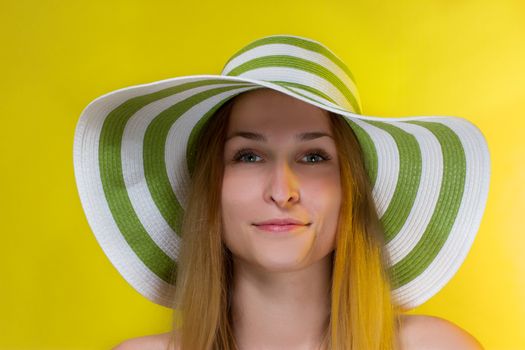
x,y
424,332
161,341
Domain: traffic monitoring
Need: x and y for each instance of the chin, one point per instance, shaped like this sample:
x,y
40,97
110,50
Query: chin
x,y
283,266
282,263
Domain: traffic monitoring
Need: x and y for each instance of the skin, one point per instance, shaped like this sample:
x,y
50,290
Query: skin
x,y
277,275
418,332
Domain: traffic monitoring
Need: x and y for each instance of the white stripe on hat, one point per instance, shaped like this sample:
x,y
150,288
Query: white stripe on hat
x,y
427,192
96,207
387,165
295,51
315,97
299,76
463,231
133,172
177,142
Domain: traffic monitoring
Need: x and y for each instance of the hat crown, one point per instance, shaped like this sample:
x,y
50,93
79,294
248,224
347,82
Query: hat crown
x,y
299,64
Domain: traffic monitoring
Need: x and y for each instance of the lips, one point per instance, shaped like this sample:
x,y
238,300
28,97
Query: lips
x,y
281,225
286,221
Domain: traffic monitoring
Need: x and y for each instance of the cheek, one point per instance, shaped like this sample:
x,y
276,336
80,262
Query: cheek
x,y
240,206
238,200
322,192
238,190
324,201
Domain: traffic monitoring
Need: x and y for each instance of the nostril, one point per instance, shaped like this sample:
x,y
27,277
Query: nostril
x,y
289,199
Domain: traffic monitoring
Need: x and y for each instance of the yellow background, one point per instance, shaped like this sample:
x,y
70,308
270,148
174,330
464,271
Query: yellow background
x,y
57,288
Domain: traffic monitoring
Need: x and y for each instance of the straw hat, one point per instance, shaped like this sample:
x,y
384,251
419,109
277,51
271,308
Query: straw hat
x,y
430,174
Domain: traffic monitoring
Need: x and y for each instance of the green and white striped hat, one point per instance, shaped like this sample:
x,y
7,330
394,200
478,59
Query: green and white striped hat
x,y
430,174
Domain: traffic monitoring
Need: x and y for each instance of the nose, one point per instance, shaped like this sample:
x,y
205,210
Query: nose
x,y
283,186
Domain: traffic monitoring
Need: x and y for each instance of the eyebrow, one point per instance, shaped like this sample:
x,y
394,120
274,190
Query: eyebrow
x,y
305,136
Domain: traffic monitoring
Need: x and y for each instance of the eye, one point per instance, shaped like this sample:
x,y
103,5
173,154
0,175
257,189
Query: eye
x,y
317,155
245,154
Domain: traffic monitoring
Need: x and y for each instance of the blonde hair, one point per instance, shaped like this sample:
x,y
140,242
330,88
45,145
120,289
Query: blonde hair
x,y
362,315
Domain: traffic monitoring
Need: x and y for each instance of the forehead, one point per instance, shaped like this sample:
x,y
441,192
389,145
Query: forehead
x,y
266,110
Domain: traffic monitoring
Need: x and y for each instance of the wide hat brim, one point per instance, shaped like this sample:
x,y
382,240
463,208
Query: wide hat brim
x,y
430,177
133,147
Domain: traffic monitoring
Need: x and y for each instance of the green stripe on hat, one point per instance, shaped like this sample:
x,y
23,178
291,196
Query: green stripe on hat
x,y
302,64
408,179
369,150
288,84
154,155
191,148
112,179
299,42
295,92
446,210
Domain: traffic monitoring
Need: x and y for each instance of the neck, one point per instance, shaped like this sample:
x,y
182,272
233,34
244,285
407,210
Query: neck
x,y
288,310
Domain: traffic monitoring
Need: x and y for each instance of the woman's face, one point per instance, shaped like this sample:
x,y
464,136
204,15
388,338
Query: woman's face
x,y
280,163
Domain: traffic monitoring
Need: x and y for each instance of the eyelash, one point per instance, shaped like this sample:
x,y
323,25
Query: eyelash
x,y
245,151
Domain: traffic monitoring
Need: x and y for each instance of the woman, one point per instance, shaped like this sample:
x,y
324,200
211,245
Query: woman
x,y
282,246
